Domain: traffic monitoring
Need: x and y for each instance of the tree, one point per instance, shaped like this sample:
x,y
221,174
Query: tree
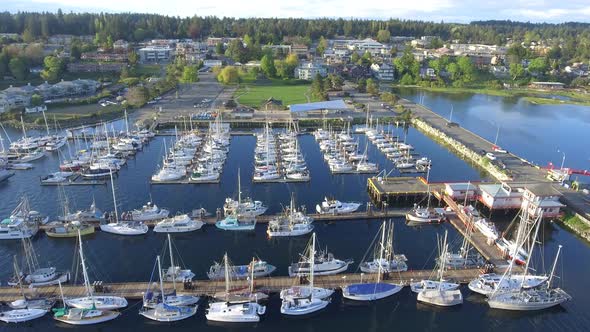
x,y
372,87
407,64
466,68
267,65
190,74
133,58
75,51
137,96
516,53
219,48
389,97
354,57
436,43
18,68
383,36
335,82
538,66
34,53
237,51
407,79
36,100
516,71
54,67
361,85
366,59
322,45
229,75
318,88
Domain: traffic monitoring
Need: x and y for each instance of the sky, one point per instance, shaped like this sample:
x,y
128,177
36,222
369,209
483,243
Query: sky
x,y
461,11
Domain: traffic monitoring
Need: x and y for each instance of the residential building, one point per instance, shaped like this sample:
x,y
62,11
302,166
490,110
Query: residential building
x,y
383,72
67,39
121,46
155,54
368,45
500,196
212,63
309,70
542,198
300,50
278,49
102,56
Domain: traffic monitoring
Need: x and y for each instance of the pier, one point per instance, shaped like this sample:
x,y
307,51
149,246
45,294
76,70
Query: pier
x,y
135,290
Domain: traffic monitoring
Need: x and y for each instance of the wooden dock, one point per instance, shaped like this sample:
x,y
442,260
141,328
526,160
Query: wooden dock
x,y
134,290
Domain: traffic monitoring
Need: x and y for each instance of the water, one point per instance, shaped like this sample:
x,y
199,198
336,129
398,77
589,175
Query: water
x,y
535,132
112,258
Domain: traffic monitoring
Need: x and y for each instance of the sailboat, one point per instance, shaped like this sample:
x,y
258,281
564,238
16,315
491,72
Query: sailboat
x,y
256,268
175,272
430,284
304,303
531,299
489,283
122,228
239,219
164,312
324,264
70,224
388,261
421,215
37,275
102,302
86,311
23,310
225,311
372,291
22,223
442,295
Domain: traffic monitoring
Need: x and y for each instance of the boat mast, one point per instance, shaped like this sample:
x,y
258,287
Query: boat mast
x,y
46,125
311,263
22,122
379,268
172,267
18,277
226,268
126,123
554,266
252,276
114,197
84,272
442,262
239,190
530,253
161,283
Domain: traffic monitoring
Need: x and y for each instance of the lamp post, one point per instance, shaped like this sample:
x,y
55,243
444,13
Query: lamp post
x,y
562,159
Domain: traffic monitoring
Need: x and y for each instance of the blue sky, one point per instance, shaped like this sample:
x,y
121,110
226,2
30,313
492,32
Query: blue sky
x,y
434,10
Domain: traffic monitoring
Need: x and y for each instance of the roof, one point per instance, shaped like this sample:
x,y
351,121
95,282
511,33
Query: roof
x,y
542,190
461,186
321,105
497,190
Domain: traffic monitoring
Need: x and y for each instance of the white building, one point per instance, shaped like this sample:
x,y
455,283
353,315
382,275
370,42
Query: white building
x,y
370,45
212,63
459,191
542,198
500,196
155,54
383,72
309,70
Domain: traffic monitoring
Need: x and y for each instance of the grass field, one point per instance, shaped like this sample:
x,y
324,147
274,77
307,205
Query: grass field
x,y
253,95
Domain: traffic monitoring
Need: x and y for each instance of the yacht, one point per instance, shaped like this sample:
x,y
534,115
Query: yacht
x,y
487,228
178,224
257,268
17,228
165,312
299,306
245,207
487,283
169,174
332,206
372,291
21,315
324,264
148,212
282,226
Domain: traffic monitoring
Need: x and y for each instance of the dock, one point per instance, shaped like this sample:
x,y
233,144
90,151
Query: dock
x,y
135,290
283,180
187,181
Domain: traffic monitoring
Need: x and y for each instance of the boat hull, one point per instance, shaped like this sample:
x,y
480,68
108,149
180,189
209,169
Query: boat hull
x,y
369,291
21,315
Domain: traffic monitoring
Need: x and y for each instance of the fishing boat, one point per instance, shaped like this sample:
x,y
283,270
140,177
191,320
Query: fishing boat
x,y
487,228
294,305
178,224
257,268
163,311
244,207
175,273
333,206
225,311
372,291
324,264
522,299
17,228
91,301
35,275
291,223
148,212
122,228
439,292
69,229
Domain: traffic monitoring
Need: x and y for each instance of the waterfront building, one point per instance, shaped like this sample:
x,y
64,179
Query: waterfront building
x,y
155,54
500,196
542,198
459,191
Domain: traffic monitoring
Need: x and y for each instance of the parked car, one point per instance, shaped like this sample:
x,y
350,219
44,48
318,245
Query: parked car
x,y
491,156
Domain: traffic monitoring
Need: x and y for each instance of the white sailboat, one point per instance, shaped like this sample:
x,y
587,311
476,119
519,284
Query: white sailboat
x,y
439,296
225,311
372,291
164,312
37,275
424,215
307,303
175,272
324,264
91,301
387,261
439,282
122,228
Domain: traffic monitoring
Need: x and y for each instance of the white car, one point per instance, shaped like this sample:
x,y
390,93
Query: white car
x,y
490,156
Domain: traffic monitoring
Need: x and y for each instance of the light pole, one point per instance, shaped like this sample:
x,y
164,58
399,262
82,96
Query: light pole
x,y
562,159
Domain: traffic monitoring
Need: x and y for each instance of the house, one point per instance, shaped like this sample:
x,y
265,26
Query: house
x,y
356,72
301,50
278,49
368,45
500,196
542,198
547,85
461,191
155,54
309,70
272,104
383,72
121,46
212,63
11,101
63,39
427,73
103,56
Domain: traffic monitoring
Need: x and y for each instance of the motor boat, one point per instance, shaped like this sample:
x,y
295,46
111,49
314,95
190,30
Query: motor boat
x,y
333,206
324,264
178,224
487,228
258,268
125,228
148,212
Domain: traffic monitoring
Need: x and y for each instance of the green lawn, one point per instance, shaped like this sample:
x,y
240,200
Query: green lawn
x,y
253,95
148,70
